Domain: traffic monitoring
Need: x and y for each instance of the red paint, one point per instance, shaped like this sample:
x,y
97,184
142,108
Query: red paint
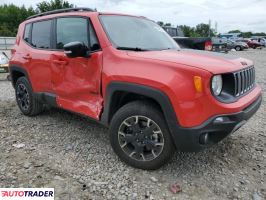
x,y
80,83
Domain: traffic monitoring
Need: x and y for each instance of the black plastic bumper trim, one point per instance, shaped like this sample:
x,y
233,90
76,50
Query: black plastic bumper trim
x,y
188,139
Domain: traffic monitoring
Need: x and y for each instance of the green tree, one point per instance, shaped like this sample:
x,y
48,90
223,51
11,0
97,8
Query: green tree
x,y
246,34
160,23
259,34
235,31
188,31
11,16
45,6
204,30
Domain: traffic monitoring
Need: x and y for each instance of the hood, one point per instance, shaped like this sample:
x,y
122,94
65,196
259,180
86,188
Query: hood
x,y
215,63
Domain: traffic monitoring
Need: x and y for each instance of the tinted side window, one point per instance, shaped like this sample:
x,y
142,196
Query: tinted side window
x,y
41,34
26,36
71,30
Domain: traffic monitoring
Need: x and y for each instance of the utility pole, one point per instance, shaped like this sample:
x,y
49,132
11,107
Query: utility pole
x,y
216,28
209,28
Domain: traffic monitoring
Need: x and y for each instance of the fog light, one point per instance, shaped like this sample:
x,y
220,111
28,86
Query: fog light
x,y
219,120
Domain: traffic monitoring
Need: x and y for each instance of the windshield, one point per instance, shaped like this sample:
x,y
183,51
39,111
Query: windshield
x,y
134,33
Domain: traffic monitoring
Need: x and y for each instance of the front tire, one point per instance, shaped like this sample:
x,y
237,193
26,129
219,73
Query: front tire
x,y
27,103
140,137
238,48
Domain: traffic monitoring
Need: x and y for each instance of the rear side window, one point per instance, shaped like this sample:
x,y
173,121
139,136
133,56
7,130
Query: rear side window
x,y
41,34
71,30
26,36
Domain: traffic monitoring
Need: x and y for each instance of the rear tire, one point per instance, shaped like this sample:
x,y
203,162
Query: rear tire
x,y
27,102
8,77
141,128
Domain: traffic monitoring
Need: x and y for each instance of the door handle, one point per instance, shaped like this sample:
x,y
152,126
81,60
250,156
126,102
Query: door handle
x,y
27,57
59,62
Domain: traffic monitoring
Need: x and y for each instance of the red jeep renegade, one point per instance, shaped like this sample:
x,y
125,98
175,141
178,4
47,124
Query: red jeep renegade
x,y
127,73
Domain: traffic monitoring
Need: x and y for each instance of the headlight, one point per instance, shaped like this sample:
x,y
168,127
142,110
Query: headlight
x,y
217,84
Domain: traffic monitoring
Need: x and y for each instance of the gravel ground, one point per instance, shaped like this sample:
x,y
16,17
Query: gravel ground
x,y
73,155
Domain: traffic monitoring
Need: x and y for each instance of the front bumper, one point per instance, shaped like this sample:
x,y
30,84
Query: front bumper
x,y
214,129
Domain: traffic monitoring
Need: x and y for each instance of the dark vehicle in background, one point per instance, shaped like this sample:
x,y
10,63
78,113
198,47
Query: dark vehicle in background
x,y
251,43
262,41
199,43
219,45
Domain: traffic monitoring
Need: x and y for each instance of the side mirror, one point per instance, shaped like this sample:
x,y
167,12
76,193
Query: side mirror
x,y
76,49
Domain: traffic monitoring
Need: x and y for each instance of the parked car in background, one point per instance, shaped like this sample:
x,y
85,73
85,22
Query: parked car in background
x,y
219,45
199,43
238,46
250,43
261,41
194,43
3,63
232,36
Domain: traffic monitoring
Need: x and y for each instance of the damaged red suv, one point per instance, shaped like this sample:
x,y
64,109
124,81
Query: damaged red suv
x,y
127,73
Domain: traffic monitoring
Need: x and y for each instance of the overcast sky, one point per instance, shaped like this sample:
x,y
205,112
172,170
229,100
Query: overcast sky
x,y
246,15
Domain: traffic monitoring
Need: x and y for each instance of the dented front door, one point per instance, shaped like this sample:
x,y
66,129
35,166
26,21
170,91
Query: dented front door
x,y
76,81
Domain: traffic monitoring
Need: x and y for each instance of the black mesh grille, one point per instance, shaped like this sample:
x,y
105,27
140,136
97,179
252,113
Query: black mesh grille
x,y
244,80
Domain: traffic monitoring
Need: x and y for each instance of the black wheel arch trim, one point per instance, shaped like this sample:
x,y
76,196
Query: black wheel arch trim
x,y
46,98
157,95
185,139
17,68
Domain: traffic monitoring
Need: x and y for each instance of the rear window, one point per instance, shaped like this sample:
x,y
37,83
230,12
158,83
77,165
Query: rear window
x,y
27,33
41,34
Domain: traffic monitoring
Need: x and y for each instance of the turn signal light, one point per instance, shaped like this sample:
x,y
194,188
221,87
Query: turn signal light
x,y
198,83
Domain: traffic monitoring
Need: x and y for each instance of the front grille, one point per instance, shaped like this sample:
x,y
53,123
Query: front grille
x,y
244,80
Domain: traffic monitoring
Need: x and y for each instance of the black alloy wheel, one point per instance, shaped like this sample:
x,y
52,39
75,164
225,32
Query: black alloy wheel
x,y
140,138
26,100
23,97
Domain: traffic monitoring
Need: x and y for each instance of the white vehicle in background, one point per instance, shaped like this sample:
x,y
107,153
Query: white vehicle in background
x,y
4,64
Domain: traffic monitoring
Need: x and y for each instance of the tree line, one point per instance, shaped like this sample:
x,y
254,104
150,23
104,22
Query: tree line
x,y
203,30
247,34
11,15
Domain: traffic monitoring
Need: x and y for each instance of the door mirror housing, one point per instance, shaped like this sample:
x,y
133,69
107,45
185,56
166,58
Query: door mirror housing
x,y
76,49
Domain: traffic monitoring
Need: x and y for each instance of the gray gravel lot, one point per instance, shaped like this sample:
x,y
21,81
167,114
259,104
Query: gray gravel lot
x,y
73,155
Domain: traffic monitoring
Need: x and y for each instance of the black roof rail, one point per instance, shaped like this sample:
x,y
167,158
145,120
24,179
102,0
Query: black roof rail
x,y
62,11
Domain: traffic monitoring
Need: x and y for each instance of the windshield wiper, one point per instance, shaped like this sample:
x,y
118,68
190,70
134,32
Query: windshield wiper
x,y
131,48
